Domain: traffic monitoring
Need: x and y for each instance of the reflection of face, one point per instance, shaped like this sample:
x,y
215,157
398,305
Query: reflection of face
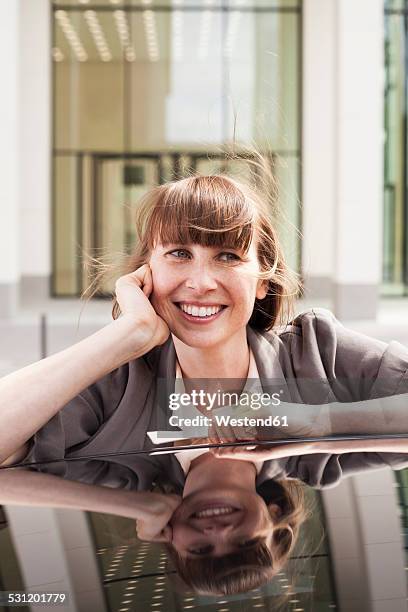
x,y
212,276
200,530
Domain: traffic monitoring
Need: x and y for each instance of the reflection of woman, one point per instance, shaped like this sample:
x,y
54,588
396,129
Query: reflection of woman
x,y
231,551
208,270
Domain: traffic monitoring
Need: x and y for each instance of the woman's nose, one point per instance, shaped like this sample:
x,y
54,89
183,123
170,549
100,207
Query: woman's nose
x,y
201,280
216,528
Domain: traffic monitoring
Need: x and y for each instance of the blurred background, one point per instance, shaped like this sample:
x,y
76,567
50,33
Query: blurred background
x,y
102,99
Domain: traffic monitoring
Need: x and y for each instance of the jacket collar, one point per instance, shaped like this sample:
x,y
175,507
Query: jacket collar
x,y
265,347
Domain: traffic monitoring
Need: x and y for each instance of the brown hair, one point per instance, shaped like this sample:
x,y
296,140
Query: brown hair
x,y
217,210
243,571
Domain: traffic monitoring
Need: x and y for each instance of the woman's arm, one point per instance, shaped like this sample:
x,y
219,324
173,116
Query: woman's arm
x,y
386,415
30,397
391,445
338,447
24,488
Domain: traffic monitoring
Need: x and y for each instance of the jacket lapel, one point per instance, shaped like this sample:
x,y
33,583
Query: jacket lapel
x,y
266,348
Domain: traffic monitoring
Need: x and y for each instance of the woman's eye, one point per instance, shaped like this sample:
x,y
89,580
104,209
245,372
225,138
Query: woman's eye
x,y
233,255
179,251
248,543
205,550
183,254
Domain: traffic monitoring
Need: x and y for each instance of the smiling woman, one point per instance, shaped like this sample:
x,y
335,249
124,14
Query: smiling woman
x,y
249,546
216,265
233,221
200,303
228,536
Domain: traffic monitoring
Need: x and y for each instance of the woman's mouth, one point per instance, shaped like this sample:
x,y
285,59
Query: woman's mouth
x,y
202,505
200,314
209,510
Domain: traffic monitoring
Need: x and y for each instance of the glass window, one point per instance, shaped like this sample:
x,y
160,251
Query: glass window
x,y
395,262
145,92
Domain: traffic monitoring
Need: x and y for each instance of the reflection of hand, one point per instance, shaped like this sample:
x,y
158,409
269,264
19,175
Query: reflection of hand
x,y
152,522
262,453
217,434
288,420
191,442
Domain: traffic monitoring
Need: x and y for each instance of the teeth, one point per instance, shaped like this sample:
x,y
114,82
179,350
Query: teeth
x,y
203,311
214,512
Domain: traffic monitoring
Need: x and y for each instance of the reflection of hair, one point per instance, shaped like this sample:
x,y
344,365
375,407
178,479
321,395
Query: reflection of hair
x,y
217,210
243,571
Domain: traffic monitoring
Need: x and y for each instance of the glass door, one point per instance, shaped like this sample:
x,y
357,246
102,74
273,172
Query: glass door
x,y
395,262
120,183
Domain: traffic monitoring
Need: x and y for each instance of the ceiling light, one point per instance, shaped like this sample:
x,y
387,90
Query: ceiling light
x,y
122,28
98,35
149,20
57,54
178,35
204,34
232,30
60,15
71,35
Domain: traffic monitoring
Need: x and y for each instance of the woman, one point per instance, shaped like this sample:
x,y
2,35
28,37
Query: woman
x,y
204,291
251,540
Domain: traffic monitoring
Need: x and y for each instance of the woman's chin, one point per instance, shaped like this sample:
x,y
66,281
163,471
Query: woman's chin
x,y
198,339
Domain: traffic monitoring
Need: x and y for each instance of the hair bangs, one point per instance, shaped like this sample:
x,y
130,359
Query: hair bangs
x,y
207,210
237,572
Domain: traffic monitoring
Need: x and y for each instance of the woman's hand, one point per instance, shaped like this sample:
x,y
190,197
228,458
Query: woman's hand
x,y
288,420
266,453
153,524
132,293
217,434
253,452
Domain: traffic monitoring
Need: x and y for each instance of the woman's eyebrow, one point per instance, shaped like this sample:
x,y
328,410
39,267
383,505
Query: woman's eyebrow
x,y
195,554
180,245
246,538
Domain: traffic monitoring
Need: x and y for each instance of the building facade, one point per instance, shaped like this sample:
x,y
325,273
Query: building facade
x,y
104,99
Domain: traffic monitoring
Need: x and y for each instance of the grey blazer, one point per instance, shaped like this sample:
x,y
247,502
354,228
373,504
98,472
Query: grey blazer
x,y
114,414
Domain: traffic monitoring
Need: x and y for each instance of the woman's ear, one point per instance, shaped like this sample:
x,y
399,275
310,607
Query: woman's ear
x,y
275,511
262,289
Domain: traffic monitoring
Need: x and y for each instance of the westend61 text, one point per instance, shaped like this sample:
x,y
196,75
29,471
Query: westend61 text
x,y
228,421
223,398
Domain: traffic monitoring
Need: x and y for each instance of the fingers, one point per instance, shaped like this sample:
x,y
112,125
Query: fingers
x,y
226,433
167,534
147,281
143,277
246,453
245,433
150,531
265,453
146,533
213,435
174,500
219,434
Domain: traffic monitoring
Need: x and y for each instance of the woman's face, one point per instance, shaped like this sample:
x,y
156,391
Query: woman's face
x,y
220,522
217,285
